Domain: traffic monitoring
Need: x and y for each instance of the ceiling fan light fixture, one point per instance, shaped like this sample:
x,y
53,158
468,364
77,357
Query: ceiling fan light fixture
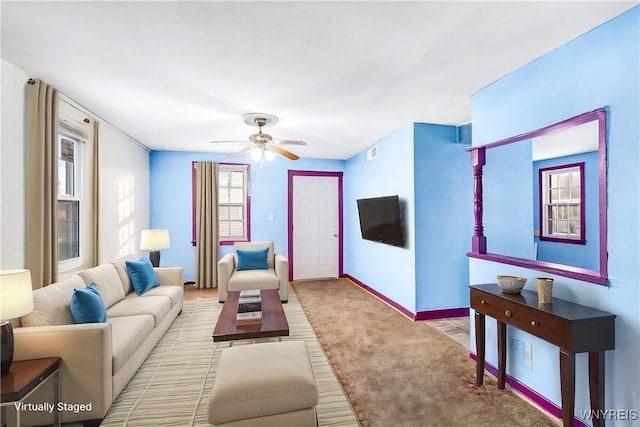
x,y
256,154
265,147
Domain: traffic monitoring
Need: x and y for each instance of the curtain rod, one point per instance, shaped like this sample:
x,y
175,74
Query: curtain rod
x,y
85,110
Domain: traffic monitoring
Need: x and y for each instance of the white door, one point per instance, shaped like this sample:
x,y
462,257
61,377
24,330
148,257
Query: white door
x,y
315,227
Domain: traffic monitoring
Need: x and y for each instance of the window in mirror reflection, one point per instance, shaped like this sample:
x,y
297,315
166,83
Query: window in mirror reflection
x,y
561,198
565,231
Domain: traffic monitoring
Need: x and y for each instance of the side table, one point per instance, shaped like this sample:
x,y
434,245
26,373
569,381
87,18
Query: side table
x,y
24,377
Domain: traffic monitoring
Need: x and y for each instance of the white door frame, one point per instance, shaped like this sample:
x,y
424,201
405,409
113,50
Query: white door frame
x,y
291,174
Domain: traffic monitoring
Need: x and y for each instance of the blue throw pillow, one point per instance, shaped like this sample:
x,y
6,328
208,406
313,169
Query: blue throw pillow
x,y
143,277
252,259
87,305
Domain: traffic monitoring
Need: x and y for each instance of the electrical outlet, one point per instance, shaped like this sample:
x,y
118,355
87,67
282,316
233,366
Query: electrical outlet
x,y
528,356
514,351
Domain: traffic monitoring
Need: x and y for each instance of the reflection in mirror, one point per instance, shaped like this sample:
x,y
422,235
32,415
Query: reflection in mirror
x,y
542,196
565,197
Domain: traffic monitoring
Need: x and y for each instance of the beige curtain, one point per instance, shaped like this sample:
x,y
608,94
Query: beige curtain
x,y
207,233
41,183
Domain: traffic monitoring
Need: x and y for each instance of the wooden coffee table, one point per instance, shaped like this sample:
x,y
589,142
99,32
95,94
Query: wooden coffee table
x,y
274,322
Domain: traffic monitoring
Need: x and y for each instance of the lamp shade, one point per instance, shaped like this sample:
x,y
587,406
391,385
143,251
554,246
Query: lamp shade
x,y
268,154
153,240
16,296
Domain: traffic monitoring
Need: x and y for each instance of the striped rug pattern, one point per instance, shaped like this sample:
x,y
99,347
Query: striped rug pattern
x,y
172,386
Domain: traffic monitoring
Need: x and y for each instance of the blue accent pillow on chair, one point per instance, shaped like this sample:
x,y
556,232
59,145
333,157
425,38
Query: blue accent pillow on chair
x,y
87,305
143,277
252,259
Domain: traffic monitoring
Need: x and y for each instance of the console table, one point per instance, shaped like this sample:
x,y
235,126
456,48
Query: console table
x,y
572,327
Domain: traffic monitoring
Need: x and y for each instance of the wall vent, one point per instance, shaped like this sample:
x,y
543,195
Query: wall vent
x,y
372,152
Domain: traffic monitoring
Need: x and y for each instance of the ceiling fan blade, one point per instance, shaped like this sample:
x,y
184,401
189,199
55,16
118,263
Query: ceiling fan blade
x,y
238,153
226,142
288,142
283,152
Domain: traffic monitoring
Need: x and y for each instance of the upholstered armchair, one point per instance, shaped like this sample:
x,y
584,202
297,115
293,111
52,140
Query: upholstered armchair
x,y
242,270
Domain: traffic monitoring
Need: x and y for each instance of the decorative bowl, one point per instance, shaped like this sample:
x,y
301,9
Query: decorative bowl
x,y
511,284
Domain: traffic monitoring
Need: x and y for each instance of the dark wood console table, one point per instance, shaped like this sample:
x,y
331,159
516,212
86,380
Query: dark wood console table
x,y
572,327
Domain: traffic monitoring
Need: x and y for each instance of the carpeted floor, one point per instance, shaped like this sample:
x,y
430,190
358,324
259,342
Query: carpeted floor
x,y
402,373
173,385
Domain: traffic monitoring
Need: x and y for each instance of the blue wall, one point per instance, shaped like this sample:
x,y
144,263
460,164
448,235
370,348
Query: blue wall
x,y
426,166
444,217
388,269
579,255
598,69
170,181
422,163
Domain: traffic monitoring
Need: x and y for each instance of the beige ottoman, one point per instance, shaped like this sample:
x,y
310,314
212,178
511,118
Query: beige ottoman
x,y
268,384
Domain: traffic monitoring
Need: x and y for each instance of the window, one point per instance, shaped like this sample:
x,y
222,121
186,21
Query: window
x,y
69,196
562,203
233,203
76,181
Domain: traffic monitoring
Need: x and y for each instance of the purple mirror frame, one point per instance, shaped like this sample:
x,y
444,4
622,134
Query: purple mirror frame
x,y
479,240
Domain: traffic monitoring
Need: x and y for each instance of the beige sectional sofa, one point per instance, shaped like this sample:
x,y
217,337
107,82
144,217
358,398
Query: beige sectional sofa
x,y
98,359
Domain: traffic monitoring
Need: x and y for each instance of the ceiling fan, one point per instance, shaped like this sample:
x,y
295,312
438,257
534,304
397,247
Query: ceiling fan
x,y
264,146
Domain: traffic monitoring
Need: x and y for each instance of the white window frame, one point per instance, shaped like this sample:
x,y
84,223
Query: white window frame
x,y
574,198
246,214
76,124
77,196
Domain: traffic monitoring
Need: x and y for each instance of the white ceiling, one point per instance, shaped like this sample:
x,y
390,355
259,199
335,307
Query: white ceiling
x,y
340,75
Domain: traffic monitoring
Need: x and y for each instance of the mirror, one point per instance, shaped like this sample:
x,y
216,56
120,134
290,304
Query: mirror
x,y
540,199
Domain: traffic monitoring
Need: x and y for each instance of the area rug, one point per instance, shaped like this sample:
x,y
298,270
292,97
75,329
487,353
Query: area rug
x,y
173,385
397,372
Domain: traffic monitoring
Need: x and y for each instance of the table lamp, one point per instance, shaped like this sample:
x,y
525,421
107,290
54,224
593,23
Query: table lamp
x,y
16,299
153,241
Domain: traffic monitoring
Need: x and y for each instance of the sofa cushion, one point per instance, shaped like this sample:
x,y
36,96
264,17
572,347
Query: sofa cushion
x,y
121,268
262,379
51,303
86,305
107,282
174,293
253,279
252,259
127,333
256,245
156,306
142,275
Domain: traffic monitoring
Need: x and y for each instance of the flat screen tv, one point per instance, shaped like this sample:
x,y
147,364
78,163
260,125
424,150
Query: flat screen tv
x,y
381,220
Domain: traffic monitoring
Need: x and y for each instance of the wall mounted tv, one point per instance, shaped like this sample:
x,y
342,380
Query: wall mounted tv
x,y
381,220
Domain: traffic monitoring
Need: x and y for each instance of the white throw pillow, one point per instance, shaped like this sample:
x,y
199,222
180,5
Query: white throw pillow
x,y
121,268
107,282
